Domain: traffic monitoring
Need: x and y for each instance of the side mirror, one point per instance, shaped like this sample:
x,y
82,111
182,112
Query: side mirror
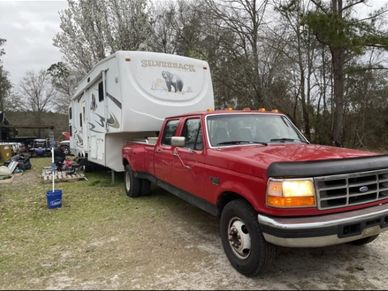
x,y
178,141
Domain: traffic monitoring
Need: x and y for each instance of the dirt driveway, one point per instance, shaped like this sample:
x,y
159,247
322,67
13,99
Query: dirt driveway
x,y
100,239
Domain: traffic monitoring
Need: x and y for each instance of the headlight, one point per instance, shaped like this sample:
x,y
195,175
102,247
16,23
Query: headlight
x,y
290,193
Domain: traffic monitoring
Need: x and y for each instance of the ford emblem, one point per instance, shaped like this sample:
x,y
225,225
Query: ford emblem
x,y
363,189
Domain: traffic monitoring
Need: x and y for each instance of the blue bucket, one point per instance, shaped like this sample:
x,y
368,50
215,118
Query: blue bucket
x,y
54,199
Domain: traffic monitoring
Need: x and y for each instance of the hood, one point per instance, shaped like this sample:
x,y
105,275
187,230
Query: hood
x,y
296,152
259,156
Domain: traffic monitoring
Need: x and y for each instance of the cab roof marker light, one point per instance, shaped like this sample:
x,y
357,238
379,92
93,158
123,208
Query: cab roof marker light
x,y
229,109
246,109
262,109
275,110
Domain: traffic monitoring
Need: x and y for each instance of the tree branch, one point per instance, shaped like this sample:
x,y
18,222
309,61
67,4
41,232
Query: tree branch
x,y
320,6
353,4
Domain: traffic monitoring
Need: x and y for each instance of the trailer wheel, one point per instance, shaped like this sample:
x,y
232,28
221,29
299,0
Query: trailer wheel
x,y
364,241
242,240
132,184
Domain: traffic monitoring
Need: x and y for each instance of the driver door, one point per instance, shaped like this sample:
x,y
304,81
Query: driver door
x,y
187,170
164,158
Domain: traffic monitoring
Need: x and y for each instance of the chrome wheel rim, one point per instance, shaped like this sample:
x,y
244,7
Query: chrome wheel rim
x,y
127,181
239,238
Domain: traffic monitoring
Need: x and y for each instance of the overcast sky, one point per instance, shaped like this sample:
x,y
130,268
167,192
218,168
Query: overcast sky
x,y
29,27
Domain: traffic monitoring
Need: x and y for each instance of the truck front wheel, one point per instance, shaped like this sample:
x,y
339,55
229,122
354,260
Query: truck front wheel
x,y
132,184
242,240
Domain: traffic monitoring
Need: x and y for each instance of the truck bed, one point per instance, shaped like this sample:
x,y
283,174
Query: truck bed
x,y
144,151
149,140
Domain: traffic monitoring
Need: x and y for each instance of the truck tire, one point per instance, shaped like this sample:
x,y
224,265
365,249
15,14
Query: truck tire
x,y
132,184
364,241
145,187
242,240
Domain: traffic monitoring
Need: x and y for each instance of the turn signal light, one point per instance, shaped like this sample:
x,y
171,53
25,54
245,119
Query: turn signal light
x,y
289,202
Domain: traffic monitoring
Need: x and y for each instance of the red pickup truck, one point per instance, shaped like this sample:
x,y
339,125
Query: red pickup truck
x,y
267,183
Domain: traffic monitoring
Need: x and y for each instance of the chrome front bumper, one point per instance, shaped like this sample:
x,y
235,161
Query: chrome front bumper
x,y
326,230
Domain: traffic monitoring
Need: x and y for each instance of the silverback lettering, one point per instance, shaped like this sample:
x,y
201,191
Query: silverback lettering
x,y
179,66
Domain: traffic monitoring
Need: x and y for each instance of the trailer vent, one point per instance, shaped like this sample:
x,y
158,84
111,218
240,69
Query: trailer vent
x,y
351,189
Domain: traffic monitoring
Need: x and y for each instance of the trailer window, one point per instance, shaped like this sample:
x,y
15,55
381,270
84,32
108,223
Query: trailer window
x,y
100,92
193,134
80,119
169,131
70,113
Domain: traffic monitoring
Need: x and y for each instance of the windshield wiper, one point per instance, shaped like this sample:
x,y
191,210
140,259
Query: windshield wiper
x,y
259,142
240,142
285,139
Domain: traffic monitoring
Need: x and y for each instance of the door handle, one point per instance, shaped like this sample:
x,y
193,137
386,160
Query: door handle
x,y
175,153
158,150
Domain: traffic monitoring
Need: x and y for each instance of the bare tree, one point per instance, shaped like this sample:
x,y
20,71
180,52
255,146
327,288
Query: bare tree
x,y
297,60
91,30
245,19
300,50
164,28
36,93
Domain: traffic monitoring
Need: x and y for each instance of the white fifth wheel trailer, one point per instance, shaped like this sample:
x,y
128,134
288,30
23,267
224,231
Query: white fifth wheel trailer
x,y
126,97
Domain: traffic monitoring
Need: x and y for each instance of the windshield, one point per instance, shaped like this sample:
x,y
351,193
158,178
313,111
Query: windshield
x,y
232,129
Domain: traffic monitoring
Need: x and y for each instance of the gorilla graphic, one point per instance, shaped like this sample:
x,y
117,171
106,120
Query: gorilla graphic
x,y
172,81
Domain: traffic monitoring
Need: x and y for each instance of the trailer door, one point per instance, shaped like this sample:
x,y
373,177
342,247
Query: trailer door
x,y
85,127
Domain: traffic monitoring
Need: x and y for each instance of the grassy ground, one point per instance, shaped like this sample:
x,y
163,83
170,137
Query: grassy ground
x,y
101,239
95,224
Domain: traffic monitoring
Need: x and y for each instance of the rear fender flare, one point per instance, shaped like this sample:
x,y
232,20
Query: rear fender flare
x,y
127,162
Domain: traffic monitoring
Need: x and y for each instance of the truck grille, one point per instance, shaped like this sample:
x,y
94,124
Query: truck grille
x,y
351,189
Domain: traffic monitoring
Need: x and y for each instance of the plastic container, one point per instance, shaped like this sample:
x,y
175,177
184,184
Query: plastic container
x,y
5,152
54,199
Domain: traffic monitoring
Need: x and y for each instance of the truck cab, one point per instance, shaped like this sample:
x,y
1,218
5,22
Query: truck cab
x,y
268,184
